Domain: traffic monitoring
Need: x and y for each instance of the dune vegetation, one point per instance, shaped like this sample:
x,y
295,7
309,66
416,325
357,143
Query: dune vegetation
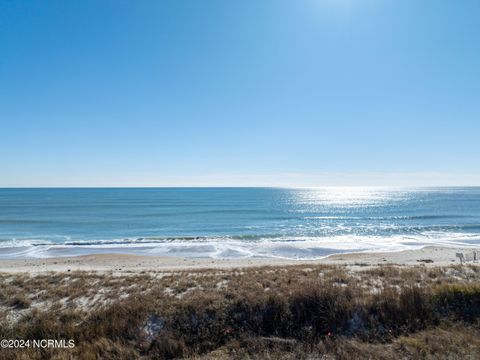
x,y
289,312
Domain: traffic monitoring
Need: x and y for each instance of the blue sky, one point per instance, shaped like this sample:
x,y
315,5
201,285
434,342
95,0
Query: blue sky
x,y
282,93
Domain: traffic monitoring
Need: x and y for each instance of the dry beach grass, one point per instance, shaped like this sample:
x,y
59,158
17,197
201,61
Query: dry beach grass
x,y
306,311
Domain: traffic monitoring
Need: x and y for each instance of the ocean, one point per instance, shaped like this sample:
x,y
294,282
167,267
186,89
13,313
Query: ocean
x,y
234,222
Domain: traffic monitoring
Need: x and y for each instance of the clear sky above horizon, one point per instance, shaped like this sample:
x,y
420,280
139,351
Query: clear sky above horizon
x,y
219,93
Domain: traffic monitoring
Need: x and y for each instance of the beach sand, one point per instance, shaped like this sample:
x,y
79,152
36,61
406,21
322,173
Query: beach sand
x,y
121,263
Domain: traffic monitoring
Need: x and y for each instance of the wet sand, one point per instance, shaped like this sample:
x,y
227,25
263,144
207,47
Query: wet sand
x,y
121,263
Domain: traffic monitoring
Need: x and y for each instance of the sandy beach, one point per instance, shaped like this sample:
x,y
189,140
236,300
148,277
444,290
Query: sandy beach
x,y
121,263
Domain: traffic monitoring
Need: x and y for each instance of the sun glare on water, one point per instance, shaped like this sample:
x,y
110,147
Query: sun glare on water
x,y
350,196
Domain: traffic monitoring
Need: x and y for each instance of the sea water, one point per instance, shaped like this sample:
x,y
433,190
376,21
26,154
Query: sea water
x,y
234,222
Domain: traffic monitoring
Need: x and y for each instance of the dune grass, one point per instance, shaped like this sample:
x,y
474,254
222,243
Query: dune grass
x,y
301,312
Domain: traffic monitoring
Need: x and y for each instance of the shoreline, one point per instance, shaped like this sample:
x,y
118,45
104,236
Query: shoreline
x,y
124,263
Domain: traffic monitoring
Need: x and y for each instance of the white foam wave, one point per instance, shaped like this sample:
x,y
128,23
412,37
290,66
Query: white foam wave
x,y
227,247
